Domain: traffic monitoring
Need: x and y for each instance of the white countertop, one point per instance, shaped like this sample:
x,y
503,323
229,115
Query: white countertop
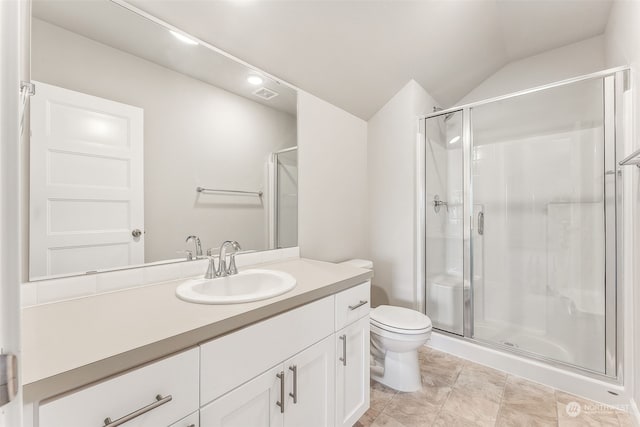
x,y
69,344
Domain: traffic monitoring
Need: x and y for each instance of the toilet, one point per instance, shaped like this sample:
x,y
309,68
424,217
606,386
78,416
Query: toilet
x,y
396,335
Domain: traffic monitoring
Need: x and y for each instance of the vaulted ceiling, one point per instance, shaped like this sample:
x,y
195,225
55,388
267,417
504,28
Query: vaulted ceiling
x,y
358,54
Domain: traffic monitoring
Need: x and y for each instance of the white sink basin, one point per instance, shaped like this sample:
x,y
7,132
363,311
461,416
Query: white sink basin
x,y
246,286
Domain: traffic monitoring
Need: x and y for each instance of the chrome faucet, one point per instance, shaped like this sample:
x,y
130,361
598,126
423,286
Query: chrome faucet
x,y
211,269
222,264
196,240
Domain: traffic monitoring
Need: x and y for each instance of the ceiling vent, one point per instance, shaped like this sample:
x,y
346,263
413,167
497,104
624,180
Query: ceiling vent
x,y
266,94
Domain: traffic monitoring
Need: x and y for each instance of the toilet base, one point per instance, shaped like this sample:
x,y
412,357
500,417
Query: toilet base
x,y
401,371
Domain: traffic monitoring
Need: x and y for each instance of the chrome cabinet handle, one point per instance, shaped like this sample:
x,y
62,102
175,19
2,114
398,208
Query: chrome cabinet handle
x,y
343,359
294,369
159,402
281,402
136,233
481,223
358,305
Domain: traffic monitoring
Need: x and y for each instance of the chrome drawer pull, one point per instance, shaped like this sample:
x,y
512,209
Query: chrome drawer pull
x,y
343,359
281,402
360,304
159,402
294,395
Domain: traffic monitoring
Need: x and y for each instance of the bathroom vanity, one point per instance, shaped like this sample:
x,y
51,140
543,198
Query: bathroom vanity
x,y
144,357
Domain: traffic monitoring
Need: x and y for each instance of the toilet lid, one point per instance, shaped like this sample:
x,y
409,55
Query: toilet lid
x,y
390,317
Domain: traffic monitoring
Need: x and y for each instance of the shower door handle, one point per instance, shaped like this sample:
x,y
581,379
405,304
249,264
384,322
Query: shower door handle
x,y
481,223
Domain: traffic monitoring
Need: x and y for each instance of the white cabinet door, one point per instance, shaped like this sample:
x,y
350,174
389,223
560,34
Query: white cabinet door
x,y
352,372
311,386
231,360
253,404
86,181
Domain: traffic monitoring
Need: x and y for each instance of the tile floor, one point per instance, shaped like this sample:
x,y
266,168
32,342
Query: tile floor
x,y
457,392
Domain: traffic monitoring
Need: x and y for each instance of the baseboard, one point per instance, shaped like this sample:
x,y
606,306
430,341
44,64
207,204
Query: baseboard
x,y
634,412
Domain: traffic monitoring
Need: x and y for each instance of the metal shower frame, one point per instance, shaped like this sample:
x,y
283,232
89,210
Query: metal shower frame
x,y
615,82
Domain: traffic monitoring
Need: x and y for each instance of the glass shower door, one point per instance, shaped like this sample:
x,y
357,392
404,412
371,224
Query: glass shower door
x,y
286,198
541,209
444,223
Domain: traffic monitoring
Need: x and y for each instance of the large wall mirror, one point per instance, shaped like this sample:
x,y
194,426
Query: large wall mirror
x,y
142,136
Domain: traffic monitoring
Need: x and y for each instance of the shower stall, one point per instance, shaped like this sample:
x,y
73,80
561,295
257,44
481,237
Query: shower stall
x,y
520,217
283,184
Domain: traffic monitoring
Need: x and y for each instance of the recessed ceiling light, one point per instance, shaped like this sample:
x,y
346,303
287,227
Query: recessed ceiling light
x,y
454,139
255,80
183,38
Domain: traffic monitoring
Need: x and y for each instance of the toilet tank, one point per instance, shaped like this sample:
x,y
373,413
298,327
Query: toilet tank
x,y
360,263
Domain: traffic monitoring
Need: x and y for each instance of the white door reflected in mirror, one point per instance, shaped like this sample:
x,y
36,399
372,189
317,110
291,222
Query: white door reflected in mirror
x,y
86,180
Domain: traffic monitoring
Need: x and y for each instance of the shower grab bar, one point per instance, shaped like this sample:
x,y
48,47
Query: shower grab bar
x,y
631,159
213,190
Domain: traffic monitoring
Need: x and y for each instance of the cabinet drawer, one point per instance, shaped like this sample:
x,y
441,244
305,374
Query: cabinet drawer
x,y
353,304
234,359
175,376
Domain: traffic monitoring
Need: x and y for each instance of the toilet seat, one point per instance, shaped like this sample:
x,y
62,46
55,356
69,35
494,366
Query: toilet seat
x,y
400,331
400,320
399,336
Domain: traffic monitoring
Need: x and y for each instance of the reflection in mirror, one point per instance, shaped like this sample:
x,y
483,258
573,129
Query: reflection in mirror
x,y
285,167
128,121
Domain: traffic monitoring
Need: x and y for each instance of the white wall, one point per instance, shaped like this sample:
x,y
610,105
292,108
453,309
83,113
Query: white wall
x,y
392,154
576,59
195,135
332,160
623,48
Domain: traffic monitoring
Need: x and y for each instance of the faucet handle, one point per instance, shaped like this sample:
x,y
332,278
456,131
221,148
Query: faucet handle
x,y
232,264
211,269
210,252
188,253
232,258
